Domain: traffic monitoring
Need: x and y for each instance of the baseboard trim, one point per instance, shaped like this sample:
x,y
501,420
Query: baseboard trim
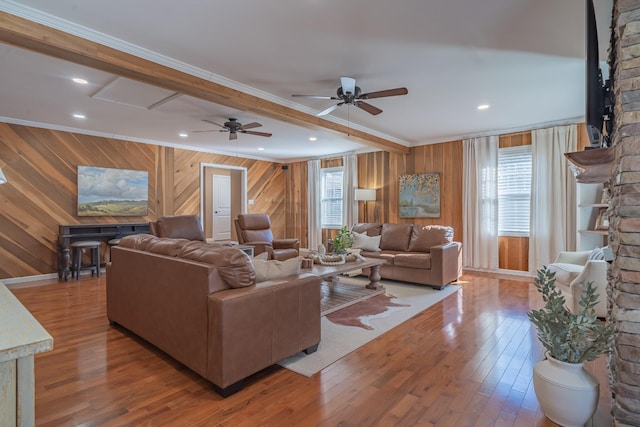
x,y
28,281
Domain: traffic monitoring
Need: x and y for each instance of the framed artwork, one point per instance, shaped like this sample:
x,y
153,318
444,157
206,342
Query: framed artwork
x,y
602,222
420,195
112,192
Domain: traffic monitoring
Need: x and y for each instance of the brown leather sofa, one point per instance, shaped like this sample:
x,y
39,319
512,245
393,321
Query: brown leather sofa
x,y
201,305
422,254
255,230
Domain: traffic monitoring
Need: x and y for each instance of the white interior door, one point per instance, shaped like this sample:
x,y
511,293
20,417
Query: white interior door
x,y
221,207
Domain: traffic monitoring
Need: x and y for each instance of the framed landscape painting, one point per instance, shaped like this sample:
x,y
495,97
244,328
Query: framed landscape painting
x,y
420,195
112,192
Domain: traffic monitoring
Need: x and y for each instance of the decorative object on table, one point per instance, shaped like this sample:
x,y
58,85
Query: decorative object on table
x,y
321,250
336,259
420,195
112,192
567,393
602,222
342,241
307,263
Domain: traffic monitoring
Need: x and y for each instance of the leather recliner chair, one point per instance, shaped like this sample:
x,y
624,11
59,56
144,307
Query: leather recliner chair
x,y
255,230
178,227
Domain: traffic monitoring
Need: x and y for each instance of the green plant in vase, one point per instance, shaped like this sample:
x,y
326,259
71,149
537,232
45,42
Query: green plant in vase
x,y
342,241
569,337
567,393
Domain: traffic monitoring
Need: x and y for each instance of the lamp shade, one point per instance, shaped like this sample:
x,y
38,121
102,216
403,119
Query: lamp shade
x,y
3,179
365,194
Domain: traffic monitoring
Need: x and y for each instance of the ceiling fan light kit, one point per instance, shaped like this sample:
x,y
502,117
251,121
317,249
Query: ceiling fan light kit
x,y
350,94
234,127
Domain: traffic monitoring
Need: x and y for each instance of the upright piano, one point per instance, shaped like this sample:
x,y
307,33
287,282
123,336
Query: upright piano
x,y
70,233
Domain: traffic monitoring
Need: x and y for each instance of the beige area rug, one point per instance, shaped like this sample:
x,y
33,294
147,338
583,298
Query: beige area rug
x,y
337,340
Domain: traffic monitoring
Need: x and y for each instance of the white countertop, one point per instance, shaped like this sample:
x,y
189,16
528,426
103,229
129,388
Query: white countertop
x,y
20,333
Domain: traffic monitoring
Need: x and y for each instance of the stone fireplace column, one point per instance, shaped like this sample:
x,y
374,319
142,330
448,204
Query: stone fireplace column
x,y
624,216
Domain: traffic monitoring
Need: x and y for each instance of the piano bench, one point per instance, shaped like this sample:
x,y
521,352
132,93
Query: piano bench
x,y
78,249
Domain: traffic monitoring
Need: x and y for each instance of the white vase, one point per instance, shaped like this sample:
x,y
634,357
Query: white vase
x,y
567,393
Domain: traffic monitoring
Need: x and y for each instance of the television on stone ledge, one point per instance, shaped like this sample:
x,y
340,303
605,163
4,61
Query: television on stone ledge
x,y
599,102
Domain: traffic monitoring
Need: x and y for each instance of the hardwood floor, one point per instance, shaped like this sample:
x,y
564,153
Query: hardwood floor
x,y
466,361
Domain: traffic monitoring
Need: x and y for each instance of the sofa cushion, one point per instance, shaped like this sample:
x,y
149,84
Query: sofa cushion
x,y
423,237
153,244
395,237
364,242
370,228
233,265
274,269
386,255
413,260
565,272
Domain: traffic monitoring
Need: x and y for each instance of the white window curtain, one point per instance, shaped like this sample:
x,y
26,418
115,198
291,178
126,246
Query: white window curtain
x,y
350,183
314,232
553,195
480,203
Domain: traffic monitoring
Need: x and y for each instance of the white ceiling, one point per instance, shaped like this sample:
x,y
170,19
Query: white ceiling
x,y
523,57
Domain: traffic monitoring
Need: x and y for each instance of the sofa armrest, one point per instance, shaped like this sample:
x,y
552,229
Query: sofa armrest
x,y
446,262
254,327
286,244
594,271
259,247
569,257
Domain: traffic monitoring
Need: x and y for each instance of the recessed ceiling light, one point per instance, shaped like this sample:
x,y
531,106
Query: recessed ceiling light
x,y
260,148
80,81
483,106
313,138
79,116
183,135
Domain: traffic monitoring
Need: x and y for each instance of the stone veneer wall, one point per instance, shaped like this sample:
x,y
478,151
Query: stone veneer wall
x,y
624,216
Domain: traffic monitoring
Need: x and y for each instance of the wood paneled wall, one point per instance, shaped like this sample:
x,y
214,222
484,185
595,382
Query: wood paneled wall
x,y
41,193
41,169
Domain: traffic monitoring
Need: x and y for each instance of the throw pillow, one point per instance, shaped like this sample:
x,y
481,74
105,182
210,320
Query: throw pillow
x,y
274,269
263,255
364,242
596,254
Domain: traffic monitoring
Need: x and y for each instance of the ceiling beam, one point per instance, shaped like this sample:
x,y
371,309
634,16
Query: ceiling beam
x,y
30,35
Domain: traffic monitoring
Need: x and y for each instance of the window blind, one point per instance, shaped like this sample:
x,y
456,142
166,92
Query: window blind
x,y
331,198
514,190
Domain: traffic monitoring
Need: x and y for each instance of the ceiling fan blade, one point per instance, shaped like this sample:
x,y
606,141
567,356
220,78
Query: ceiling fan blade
x,y
213,123
383,93
251,132
204,131
328,110
315,96
233,136
251,125
369,108
348,84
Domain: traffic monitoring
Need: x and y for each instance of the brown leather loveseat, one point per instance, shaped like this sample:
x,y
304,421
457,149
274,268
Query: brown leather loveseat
x,y
201,305
423,254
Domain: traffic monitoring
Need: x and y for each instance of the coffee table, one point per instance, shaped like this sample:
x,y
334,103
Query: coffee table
x,y
332,271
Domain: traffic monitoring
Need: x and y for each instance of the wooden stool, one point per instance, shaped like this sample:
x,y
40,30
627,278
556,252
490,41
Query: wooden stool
x,y
78,249
112,243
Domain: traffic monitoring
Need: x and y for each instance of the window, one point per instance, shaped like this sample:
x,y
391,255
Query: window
x,y
514,190
331,197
